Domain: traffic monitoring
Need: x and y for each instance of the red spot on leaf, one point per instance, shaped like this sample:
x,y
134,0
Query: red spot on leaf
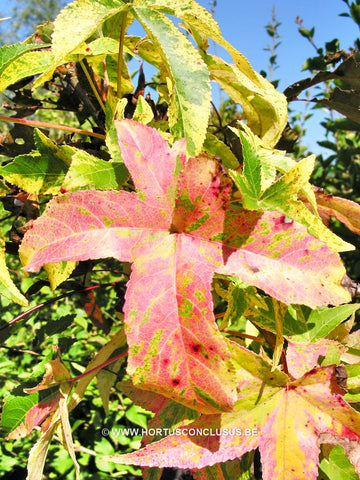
x,y
175,381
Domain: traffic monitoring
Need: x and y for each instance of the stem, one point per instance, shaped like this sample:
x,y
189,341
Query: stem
x,y
218,115
244,335
284,362
52,300
20,350
120,55
36,123
102,365
92,85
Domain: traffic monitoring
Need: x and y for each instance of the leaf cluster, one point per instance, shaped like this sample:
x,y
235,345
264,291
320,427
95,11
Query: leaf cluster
x,y
233,326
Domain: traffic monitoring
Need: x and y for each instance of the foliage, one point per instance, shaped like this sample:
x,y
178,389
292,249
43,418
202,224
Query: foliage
x,y
231,331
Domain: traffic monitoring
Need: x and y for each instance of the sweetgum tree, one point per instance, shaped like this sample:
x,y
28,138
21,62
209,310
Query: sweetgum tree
x,y
225,295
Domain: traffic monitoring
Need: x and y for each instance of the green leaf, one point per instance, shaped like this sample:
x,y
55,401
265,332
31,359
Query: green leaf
x,y
189,83
301,324
306,33
248,182
87,171
355,12
282,195
114,108
318,323
31,63
137,415
216,147
143,112
252,167
337,466
7,286
42,171
236,299
15,410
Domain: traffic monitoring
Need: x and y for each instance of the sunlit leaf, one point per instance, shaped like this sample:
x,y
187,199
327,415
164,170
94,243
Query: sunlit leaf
x,y
190,93
181,246
42,171
282,195
265,109
38,453
92,15
7,286
87,171
284,420
30,63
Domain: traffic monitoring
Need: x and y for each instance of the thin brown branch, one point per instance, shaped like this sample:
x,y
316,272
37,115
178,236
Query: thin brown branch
x,y
37,123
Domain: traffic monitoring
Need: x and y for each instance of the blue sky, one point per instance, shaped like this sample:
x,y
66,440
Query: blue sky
x,y
243,24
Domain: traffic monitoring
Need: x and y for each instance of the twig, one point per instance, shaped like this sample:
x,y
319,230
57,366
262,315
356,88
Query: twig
x,y
120,55
52,300
92,85
99,367
36,123
244,335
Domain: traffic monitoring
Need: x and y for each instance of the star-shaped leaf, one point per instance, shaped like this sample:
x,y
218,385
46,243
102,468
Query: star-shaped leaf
x,y
283,418
178,229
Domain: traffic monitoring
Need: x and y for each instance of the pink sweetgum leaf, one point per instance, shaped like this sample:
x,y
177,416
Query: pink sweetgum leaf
x,y
179,229
343,209
304,356
286,424
169,415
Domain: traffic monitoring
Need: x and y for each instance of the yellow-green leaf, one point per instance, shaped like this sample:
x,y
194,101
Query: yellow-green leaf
x,y
282,197
59,272
42,171
7,286
26,65
265,109
117,341
38,453
189,85
87,171
92,15
143,112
